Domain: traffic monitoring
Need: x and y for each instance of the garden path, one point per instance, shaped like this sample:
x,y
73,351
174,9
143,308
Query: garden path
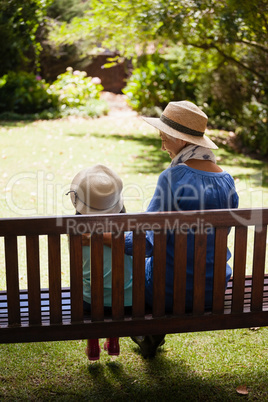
x,y
117,104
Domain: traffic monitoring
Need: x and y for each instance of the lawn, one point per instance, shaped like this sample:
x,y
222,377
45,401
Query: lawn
x,y
38,161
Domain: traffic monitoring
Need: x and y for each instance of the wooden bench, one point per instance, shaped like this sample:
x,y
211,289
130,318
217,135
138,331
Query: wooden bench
x,y
56,313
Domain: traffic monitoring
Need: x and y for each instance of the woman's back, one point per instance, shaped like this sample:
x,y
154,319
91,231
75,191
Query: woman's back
x,y
182,188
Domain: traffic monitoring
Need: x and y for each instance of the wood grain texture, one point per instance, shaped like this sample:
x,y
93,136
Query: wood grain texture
x,y
96,263
219,270
258,267
200,251
54,275
12,278
33,278
118,275
138,286
76,278
180,265
159,274
240,254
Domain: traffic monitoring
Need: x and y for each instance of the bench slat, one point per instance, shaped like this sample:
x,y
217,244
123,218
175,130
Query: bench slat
x,y
96,277
258,267
180,265
200,251
47,225
12,278
240,253
138,284
159,274
76,278
33,278
219,270
118,276
54,270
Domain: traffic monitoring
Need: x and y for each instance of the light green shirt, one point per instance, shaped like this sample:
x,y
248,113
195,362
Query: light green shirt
x,y
107,277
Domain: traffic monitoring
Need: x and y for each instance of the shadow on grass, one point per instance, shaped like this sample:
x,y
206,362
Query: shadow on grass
x,y
151,160
164,380
49,371
15,123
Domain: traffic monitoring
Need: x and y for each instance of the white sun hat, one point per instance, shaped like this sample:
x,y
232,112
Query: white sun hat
x,y
97,190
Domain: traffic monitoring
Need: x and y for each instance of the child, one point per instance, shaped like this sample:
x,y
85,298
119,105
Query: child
x,y
98,190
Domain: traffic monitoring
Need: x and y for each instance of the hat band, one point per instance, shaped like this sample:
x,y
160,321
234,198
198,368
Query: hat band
x,y
76,196
180,127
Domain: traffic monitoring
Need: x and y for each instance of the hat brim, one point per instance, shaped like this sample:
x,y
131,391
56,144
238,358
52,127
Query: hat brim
x,y
203,141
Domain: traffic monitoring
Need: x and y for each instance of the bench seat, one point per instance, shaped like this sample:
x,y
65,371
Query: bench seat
x,y
191,320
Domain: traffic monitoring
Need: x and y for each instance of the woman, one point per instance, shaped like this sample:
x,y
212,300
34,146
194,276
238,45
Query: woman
x,y
193,181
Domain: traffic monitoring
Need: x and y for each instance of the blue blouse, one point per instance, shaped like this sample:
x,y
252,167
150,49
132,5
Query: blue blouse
x,y
182,188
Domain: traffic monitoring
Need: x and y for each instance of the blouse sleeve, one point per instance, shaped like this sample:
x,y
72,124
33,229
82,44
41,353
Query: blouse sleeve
x,y
162,197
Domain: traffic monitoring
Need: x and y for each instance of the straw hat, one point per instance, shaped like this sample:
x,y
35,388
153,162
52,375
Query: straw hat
x,y
183,120
97,190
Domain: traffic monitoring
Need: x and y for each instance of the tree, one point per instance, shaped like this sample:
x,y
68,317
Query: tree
x,y
237,32
224,47
66,10
20,21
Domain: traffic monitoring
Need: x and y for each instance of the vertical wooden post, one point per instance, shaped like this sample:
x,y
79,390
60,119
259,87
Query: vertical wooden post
x,y
33,277
54,271
76,278
12,278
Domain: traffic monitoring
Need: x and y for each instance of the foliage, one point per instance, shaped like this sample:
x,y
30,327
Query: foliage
x,y
78,94
20,23
154,82
252,130
75,88
25,93
229,39
65,10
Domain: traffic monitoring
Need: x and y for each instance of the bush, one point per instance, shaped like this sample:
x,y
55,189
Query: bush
x,y
153,83
79,94
26,96
25,93
75,88
252,130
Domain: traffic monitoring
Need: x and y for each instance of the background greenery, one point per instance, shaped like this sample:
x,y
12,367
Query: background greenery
x,y
217,50
26,96
213,53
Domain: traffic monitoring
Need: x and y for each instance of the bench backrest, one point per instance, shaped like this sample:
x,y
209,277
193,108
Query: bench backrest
x,y
160,223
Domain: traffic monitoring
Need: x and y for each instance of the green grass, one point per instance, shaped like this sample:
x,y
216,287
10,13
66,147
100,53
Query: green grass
x,y
193,367
37,163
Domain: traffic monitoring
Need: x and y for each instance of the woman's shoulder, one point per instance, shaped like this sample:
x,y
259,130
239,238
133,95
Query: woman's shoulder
x,y
184,173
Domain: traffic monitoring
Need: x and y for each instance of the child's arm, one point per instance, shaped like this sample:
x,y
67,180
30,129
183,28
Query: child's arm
x,y
86,239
